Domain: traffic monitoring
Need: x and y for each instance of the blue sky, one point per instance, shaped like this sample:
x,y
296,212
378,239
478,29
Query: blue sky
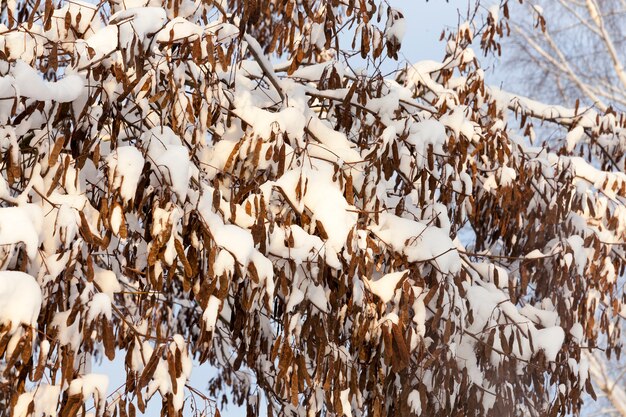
x,y
425,20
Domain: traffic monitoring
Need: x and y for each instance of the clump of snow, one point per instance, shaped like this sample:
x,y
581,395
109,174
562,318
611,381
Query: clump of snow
x,y
574,136
177,29
30,84
103,43
107,281
333,144
170,157
577,245
289,120
20,45
223,31
21,224
344,396
385,286
86,25
415,402
418,241
424,134
265,270
125,167
138,22
534,254
305,247
179,345
67,335
224,263
313,72
325,200
45,399
20,298
396,26
317,295
117,218
100,305
233,238
540,316
162,380
550,341
295,298
577,332
91,385
210,313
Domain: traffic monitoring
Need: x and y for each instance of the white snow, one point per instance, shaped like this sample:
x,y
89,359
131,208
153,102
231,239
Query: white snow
x,y
385,286
234,239
333,144
167,153
107,281
177,29
67,335
30,84
396,26
295,298
224,263
21,224
316,294
100,305
103,43
88,25
534,254
91,385
344,396
210,313
312,72
418,241
577,332
305,246
574,136
415,402
313,224
117,218
125,167
325,200
540,316
140,21
20,45
550,340
45,399
289,120
20,298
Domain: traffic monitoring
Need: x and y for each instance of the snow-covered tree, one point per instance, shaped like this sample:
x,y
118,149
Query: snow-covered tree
x,y
214,182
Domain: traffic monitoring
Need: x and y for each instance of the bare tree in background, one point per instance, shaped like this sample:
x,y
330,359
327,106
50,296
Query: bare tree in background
x,y
572,49
573,52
